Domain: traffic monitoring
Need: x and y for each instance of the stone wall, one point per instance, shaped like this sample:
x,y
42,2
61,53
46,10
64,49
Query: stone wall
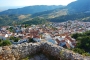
x,y
17,52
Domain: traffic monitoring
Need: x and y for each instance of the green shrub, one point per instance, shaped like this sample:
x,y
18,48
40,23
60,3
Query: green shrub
x,y
83,42
5,43
30,40
15,39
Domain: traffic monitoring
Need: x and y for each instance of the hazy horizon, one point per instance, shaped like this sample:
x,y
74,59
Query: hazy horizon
x,y
12,4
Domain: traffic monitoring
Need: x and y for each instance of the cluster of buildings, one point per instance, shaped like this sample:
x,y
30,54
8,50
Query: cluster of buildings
x,y
56,33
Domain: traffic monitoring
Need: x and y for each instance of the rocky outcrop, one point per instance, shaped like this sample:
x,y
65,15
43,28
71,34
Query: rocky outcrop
x,y
39,57
17,52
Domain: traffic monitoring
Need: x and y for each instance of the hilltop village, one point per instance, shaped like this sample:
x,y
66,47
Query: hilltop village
x,y
56,33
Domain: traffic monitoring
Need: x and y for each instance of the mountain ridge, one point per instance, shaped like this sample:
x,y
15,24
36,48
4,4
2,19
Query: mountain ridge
x,y
30,9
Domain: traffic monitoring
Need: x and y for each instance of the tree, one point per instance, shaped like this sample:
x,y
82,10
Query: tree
x,y
11,29
15,39
76,35
78,50
35,21
83,42
30,40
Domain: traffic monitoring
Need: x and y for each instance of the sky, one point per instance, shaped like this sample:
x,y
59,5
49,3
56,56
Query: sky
x,y
6,4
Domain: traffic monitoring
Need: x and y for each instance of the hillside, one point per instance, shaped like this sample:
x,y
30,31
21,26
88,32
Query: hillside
x,y
51,13
35,21
7,19
13,19
77,16
79,6
30,9
78,10
10,19
20,19
28,19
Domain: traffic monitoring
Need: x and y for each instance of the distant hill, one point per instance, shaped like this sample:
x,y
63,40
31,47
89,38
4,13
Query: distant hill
x,y
78,10
30,9
79,6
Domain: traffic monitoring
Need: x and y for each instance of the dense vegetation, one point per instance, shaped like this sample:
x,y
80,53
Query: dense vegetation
x,y
51,13
83,43
20,19
77,16
27,19
7,19
5,42
30,40
36,21
13,19
15,39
